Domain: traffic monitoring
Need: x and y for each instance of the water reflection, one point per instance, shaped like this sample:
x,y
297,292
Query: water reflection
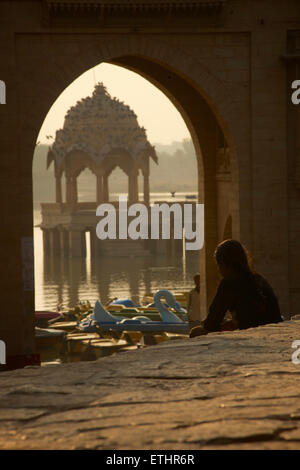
x,y
68,280
62,280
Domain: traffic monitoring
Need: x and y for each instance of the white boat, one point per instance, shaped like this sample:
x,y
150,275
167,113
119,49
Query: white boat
x,y
170,322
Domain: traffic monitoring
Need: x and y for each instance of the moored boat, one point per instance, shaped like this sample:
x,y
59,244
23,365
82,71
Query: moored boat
x,y
50,344
169,321
103,347
43,317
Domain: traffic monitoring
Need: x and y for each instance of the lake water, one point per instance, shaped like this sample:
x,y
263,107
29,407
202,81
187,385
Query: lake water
x,y
69,280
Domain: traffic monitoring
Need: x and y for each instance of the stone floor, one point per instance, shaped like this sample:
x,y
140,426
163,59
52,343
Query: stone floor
x,y
231,390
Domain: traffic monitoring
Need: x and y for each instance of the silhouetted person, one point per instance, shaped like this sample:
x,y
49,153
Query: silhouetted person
x,y
245,294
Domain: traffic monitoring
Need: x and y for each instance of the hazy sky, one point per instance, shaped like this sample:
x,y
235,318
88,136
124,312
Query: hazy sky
x,y
155,111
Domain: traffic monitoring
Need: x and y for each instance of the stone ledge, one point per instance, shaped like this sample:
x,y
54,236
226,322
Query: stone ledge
x,y
231,390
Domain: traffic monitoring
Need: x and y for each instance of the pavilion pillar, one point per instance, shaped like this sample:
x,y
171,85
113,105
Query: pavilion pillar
x,y
99,189
105,189
46,241
74,197
83,245
130,188
133,191
54,242
68,189
146,189
76,243
58,189
136,186
64,242
94,244
297,146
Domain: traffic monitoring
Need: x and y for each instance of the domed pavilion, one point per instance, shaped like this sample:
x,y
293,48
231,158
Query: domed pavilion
x,y
101,133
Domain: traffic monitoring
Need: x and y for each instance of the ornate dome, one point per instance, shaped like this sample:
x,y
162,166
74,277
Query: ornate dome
x,y
98,127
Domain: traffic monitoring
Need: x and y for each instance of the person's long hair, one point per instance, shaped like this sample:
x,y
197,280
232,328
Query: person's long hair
x,y
234,255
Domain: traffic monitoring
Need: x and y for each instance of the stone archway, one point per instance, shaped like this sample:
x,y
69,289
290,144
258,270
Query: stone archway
x,y
151,59
177,75
204,101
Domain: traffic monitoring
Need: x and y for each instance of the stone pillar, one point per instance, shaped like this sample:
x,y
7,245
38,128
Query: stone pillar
x,y
92,243
64,243
46,241
293,149
83,245
297,154
54,242
95,244
146,189
58,189
136,186
207,128
133,186
105,189
74,197
75,243
269,165
99,189
130,188
68,189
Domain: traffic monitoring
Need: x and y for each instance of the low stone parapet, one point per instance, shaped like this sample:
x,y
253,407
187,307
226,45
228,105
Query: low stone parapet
x,y
231,390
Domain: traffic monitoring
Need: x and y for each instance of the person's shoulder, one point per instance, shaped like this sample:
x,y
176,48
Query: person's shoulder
x,y
260,279
262,282
226,289
231,285
226,283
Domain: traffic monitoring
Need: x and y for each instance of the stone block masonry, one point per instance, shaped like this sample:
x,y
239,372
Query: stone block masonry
x,y
233,390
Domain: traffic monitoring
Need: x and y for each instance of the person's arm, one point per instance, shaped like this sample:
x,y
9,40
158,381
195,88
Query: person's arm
x,y
274,314
221,303
277,314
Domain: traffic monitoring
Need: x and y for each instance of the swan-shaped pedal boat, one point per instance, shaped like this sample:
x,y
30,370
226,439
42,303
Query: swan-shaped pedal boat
x,y
170,323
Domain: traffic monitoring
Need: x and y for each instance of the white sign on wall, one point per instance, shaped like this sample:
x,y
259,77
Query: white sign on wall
x,y
296,93
2,352
2,92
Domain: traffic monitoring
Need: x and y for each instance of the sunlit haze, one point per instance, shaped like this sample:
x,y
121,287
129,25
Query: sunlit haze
x,y
155,111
